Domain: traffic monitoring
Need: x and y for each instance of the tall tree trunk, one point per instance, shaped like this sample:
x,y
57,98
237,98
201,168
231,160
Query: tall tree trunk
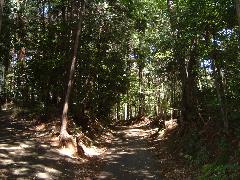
x,y
191,81
141,91
220,87
220,94
118,111
1,13
238,12
187,69
178,56
238,17
64,136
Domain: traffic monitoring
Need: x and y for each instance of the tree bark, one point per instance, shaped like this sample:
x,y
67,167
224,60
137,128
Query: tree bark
x,y
1,13
220,87
238,12
64,136
191,83
237,2
141,91
187,68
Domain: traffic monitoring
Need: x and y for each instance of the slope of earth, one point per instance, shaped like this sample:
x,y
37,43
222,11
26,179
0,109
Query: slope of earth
x,y
25,155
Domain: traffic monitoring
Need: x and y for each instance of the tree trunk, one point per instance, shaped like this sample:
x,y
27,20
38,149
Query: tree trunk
x,y
191,83
220,88
187,69
179,59
64,136
1,13
220,94
125,111
141,91
238,12
118,111
238,17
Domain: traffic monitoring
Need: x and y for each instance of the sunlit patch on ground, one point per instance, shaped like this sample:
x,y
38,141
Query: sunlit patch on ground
x,y
40,127
92,150
43,175
27,153
20,171
70,152
129,156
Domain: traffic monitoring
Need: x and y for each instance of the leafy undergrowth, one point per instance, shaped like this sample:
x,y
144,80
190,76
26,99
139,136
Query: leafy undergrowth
x,y
90,142
173,164
47,128
164,140
216,152
203,153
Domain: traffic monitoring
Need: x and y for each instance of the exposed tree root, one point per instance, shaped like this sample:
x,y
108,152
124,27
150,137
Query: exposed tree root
x,y
71,145
65,139
66,143
80,150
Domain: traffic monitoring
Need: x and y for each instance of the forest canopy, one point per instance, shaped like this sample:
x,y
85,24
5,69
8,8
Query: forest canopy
x,y
176,58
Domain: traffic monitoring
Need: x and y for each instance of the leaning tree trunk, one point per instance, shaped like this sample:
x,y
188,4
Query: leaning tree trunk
x,y
64,136
1,13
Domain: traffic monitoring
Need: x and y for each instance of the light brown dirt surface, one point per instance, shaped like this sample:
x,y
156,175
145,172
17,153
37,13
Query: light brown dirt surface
x,y
26,154
30,151
129,156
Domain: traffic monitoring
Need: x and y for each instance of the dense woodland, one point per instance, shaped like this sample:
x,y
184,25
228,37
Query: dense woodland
x,y
114,60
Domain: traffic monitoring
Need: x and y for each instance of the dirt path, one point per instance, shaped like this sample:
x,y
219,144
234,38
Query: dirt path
x,y
129,156
24,156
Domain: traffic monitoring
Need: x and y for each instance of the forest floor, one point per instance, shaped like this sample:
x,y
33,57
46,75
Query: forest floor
x,y
130,157
26,153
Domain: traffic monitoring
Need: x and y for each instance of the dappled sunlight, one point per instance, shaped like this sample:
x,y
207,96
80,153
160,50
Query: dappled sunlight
x,y
92,150
7,161
24,155
130,157
43,175
70,152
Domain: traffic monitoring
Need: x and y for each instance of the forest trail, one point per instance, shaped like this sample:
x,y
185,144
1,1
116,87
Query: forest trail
x,y
130,157
24,155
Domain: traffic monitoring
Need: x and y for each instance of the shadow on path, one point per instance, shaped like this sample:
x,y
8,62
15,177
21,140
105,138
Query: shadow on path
x,y
23,156
129,157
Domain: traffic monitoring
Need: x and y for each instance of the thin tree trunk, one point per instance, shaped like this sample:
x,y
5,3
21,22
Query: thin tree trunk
x,y
220,88
238,12
220,94
238,17
1,13
141,95
125,111
64,136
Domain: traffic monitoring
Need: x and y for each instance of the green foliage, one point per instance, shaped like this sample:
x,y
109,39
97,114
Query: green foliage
x,y
220,171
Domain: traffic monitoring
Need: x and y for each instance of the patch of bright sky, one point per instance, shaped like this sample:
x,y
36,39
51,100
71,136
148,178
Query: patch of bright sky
x,y
226,32
207,63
